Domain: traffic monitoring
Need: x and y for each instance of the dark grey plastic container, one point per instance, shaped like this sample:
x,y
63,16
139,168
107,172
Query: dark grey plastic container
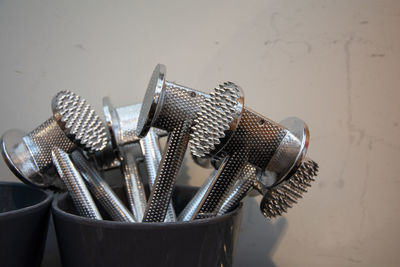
x,y
86,242
24,220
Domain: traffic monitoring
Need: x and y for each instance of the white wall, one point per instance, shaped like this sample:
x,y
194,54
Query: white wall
x,y
335,64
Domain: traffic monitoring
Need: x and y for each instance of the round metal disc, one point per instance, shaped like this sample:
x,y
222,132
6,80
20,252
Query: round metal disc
x,y
18,158
300,129
107,109
288,156
152,100
295,150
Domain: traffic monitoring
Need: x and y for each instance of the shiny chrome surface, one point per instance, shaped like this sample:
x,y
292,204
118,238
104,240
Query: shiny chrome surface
x,y
257,140
217,121
19,159
74,123
79,121
122,123
282,196
133,184
292,150
242,186
151,149
170,107
152,100
191,209
76,187
101,190
283,166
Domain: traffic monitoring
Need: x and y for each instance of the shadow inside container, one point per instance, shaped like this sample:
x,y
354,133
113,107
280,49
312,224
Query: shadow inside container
x,y
258,238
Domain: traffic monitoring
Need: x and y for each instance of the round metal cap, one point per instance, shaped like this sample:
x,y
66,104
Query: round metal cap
x,y
289,155
20,161
152,100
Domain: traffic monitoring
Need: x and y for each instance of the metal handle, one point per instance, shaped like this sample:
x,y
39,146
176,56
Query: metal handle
x,y
101,190
210,196
76,187
247,179
134,186
169,166
191,209
152,153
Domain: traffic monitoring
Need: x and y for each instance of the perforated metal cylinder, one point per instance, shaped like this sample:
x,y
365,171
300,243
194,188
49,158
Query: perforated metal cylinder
x,y
170,164
152,152
76,187
244,184
134,185
101,190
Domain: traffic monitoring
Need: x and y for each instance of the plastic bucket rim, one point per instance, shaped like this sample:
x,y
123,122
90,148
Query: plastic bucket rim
x,y
28,209
57,211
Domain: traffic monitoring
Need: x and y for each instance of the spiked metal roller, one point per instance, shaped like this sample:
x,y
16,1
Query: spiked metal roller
x,y
217,120
255,141
278,169
74,123
282,196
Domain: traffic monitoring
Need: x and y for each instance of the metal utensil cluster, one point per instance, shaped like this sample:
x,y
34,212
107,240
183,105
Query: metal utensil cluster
x,y
72,149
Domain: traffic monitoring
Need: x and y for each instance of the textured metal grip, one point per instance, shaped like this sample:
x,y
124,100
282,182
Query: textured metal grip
x,y
43,139
180,104
152,153
134,186
228,173
259,136
79,121
76,187
176,112
169,167
124,128
191,209
101,190
246,182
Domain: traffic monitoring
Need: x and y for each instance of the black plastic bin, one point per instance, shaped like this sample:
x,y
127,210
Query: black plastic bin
x,y
87,242
24,220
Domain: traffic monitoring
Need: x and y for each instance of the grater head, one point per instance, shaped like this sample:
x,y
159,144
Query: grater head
x,y
278,199
217,120
79,121
74,123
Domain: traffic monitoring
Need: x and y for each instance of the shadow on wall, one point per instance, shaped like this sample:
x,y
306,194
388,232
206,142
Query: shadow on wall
x,y
258,237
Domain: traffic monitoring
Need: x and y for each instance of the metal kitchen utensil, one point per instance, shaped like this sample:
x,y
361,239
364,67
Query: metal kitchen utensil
x,y
101,190
279,198
152,152
74,124
277,170
122,124
172,108
255,141
76,187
